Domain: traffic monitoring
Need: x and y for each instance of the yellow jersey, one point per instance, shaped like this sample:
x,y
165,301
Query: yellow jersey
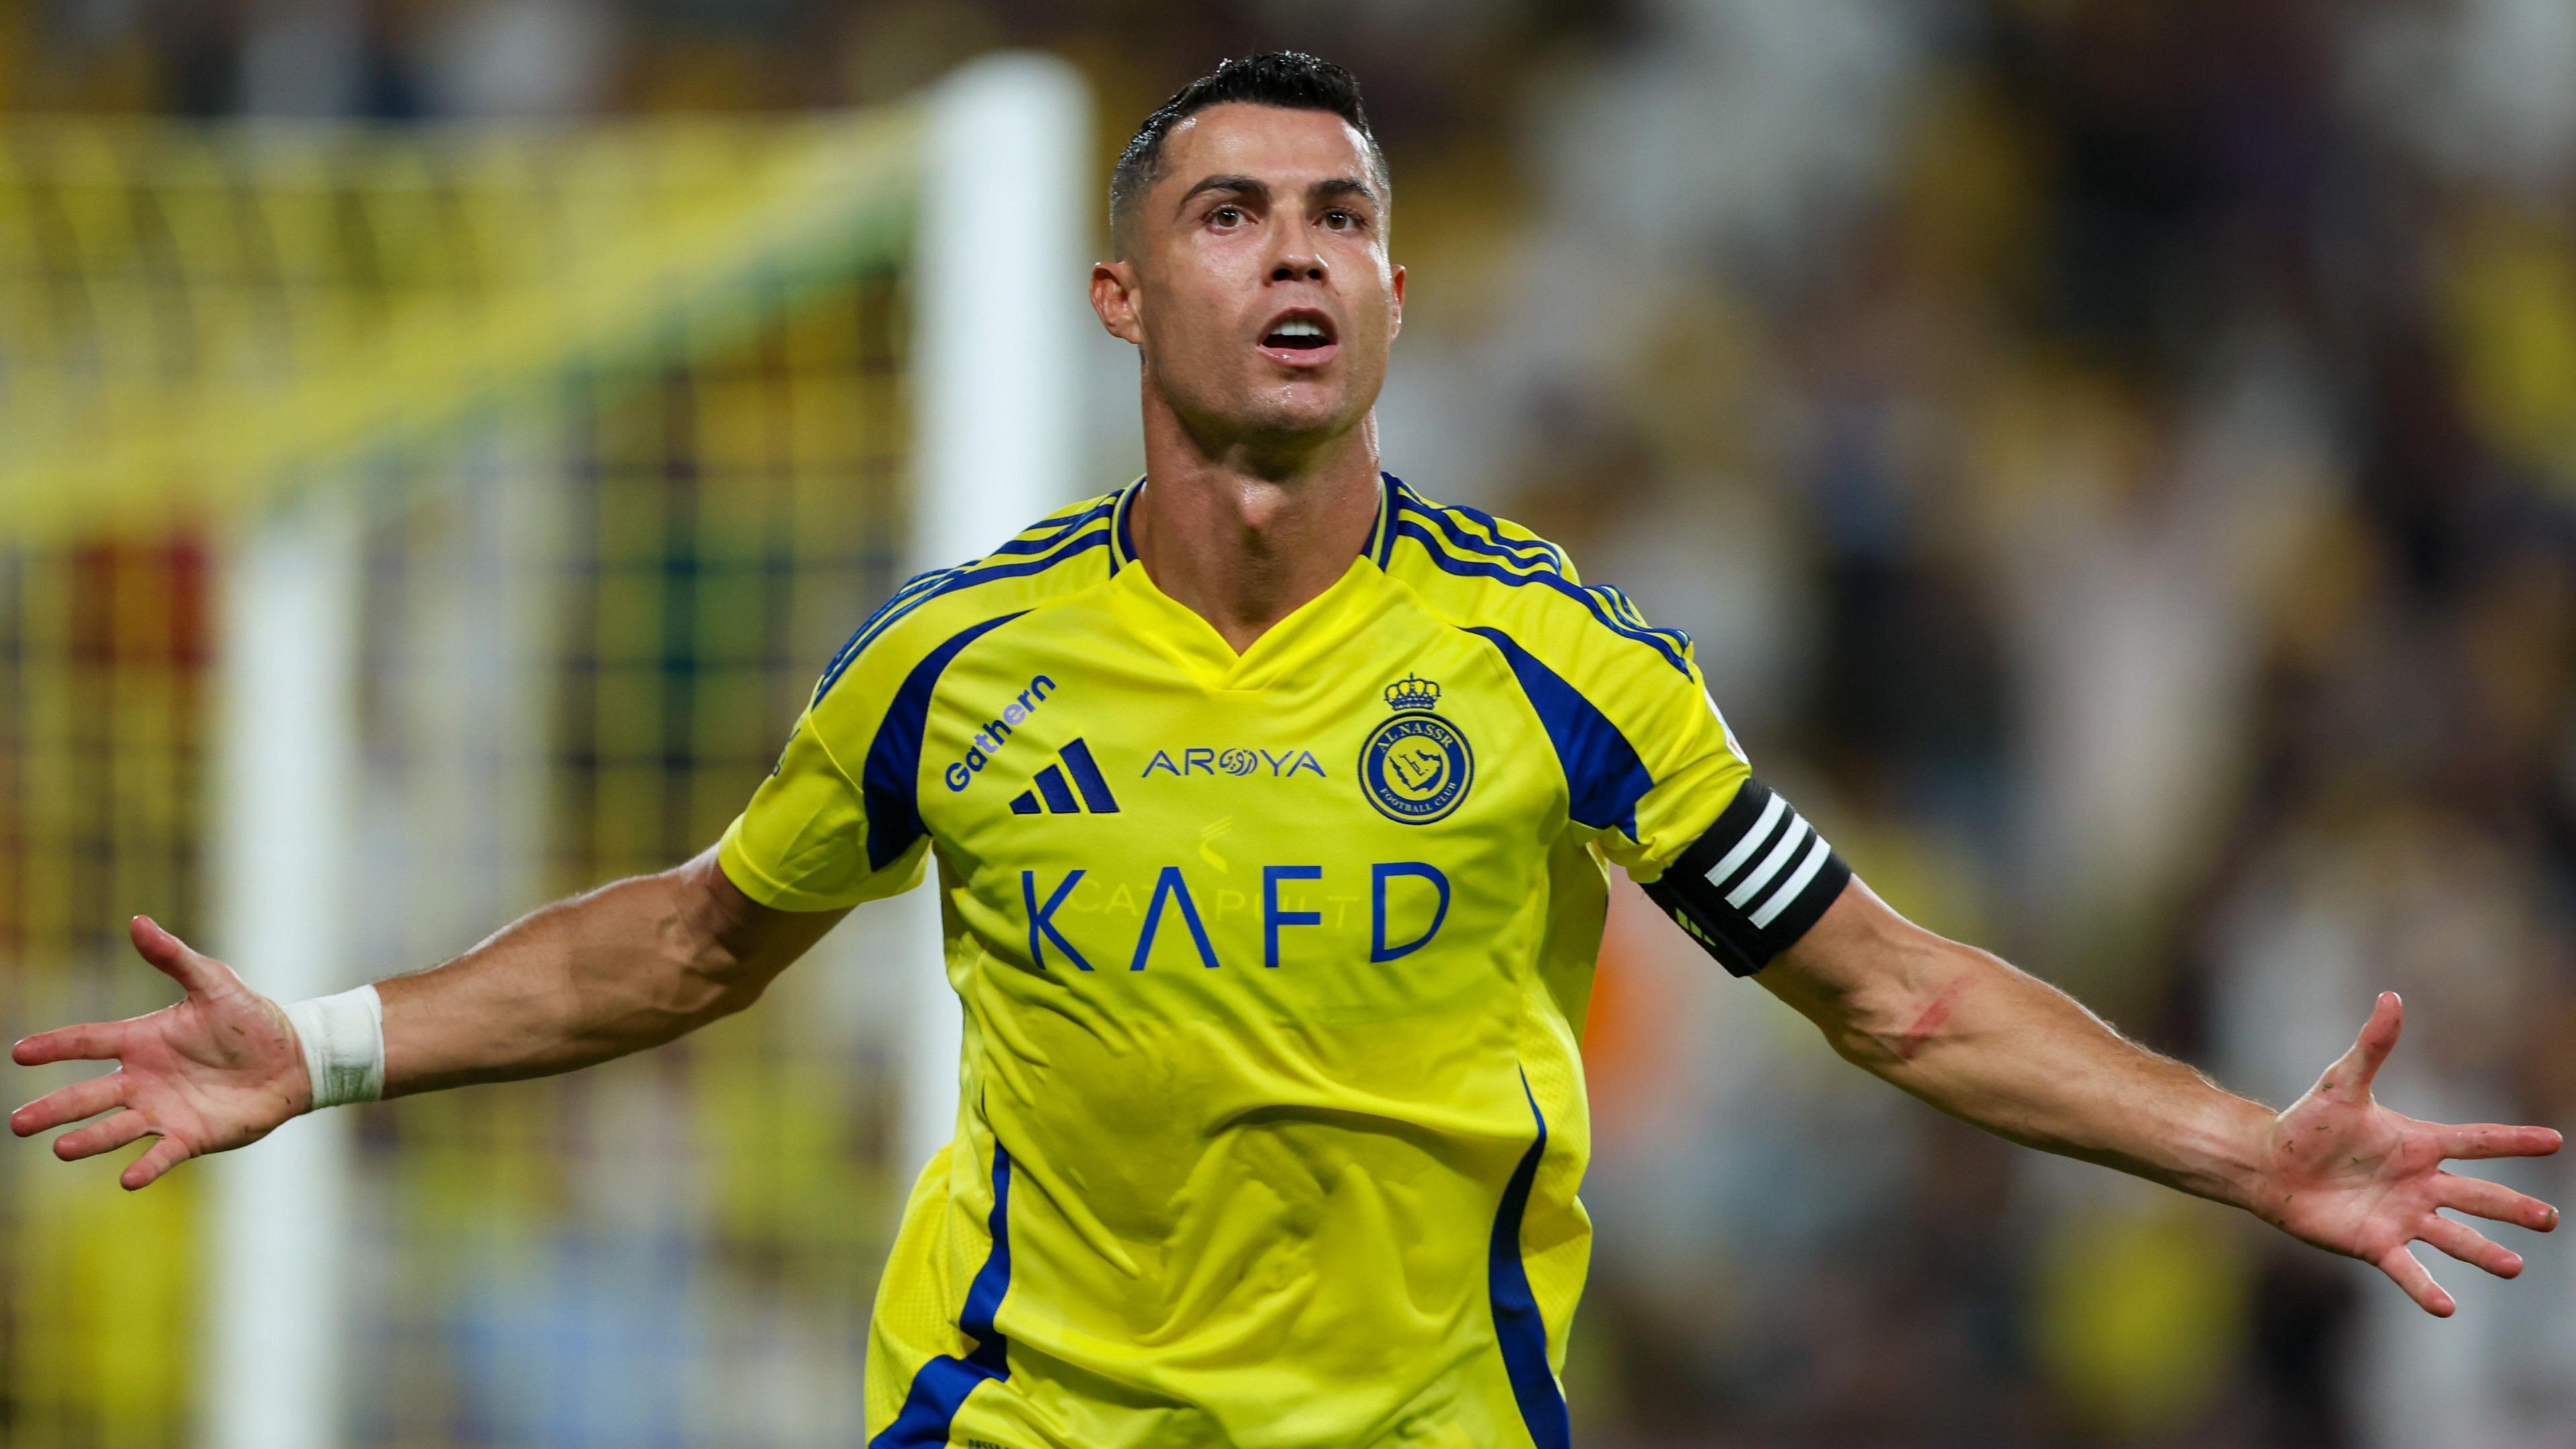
x,y
1273,966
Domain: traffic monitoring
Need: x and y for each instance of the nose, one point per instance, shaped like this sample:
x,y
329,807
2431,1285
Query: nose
x,y
1296,261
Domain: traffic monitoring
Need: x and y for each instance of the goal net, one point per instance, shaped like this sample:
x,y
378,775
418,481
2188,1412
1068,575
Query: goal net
x,y
399,528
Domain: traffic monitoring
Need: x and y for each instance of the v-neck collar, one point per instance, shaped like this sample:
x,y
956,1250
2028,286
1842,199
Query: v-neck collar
x,y
1381,537
1304,636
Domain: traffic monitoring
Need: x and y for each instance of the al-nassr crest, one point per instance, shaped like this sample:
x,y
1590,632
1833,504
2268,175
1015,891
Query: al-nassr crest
x,y
1416,767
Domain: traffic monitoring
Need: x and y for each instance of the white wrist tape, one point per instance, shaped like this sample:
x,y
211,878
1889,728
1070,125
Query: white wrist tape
x,y
344,1045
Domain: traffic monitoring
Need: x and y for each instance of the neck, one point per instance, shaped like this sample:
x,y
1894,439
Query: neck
x,y
1242,535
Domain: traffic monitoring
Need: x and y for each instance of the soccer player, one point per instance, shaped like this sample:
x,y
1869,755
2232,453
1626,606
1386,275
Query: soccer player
x,y
1272,804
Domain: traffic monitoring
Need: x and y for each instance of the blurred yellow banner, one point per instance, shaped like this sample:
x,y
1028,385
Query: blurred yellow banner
x,y
192,317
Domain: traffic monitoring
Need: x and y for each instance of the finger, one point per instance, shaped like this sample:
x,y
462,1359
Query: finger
x,y
196,974
2409,1274
2471,1246
100,1137
2495,1139
70,1104
2494,1200
2351,1076
145,1170
88,1042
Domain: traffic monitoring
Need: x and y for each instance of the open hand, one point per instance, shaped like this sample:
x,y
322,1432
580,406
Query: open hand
x,y
2351,1176
217,1070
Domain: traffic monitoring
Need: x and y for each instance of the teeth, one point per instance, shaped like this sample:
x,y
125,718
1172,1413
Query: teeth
x,y
1297,327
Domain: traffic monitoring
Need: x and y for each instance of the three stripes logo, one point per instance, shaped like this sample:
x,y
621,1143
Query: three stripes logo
x,y
1073,774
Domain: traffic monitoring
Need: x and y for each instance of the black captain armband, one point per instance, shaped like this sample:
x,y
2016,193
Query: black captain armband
x,y
1750,887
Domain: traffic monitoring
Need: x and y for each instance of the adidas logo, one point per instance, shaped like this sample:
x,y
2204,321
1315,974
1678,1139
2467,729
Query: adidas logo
x,y
1057,790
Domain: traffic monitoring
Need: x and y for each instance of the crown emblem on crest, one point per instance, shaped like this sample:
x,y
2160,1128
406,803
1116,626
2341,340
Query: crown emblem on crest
x,y
1411,693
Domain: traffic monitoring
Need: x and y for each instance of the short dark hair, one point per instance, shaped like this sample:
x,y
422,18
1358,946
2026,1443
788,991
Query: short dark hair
x,y
1289,79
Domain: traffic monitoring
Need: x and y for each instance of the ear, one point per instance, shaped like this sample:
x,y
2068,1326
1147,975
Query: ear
x,y
1395,304
1114,288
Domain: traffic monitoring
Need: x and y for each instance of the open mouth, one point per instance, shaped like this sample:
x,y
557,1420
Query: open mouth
x,y
1299,336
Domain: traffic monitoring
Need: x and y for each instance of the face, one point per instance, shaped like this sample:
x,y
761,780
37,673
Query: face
x,y
1256,281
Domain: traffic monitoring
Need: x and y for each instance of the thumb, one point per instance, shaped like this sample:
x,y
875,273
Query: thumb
x,y
197,974
2351,1075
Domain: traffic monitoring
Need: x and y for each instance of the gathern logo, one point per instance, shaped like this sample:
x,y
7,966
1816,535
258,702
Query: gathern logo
x,y
988,740
1416,767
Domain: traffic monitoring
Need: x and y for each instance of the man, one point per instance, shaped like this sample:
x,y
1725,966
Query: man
x,y
1271,803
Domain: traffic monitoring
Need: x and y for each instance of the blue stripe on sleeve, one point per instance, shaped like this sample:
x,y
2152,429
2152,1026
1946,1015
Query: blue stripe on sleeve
x,y
1528,556
930,586
1060,531
889,780
1548,554
850,647
1604,779
1446,553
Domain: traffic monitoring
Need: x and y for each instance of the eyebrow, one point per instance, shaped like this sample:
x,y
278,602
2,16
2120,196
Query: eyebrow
x,y
1254,186
1341,186
1232,184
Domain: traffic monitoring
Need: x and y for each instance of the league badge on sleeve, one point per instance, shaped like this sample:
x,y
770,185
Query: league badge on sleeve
x,y
1416,767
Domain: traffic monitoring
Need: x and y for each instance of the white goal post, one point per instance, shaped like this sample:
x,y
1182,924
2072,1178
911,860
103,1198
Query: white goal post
x,y
1004,212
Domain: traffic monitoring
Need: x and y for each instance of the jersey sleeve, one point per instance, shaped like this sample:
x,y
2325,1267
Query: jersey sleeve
x,y
839,821
804,841
1657,778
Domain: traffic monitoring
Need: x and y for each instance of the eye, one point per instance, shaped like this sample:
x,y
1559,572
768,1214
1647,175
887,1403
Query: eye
x,y
1340,220
1226,216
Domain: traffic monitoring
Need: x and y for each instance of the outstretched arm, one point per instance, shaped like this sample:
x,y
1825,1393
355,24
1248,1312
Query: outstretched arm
x,y
624,967
627,966
2004,1051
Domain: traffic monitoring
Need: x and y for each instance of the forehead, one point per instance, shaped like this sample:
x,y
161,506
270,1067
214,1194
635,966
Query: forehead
x,y
1282,147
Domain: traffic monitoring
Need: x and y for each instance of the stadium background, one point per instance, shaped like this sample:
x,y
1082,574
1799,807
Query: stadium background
x,y
2118,463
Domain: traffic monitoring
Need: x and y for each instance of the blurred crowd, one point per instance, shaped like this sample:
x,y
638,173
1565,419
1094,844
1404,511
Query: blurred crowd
x,y
2123,459
2118,464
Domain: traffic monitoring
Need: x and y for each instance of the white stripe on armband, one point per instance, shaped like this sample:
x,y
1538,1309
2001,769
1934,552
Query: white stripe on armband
x,y
1754,883
344,1045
